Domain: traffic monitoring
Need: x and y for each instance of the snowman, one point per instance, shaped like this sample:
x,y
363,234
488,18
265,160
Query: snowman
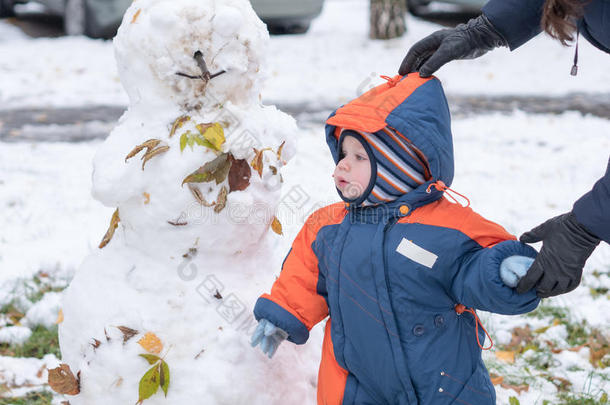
x,y
162,312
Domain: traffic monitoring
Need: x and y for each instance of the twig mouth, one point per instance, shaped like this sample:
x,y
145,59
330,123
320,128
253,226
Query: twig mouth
x,y
205,75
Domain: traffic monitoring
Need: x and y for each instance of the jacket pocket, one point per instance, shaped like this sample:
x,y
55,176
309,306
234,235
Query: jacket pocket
x,y
476,390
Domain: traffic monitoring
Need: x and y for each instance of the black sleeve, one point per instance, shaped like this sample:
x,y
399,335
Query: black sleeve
x,y
592,210
517,21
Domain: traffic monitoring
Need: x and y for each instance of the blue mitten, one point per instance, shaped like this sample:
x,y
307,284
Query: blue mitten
x,y
269,336
513,268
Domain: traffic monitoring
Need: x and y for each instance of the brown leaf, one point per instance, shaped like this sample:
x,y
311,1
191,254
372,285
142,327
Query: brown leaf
x,y
239,174
136,15
218,296
279,151
599,347
114,223
199,196
128,333
178,123
150,144
217,169
517,388
152,153
176,223
221,200
96,343
40,371
561,383
199,354
192,252
521,337
273,170
276,226
146,197
62,380
496,379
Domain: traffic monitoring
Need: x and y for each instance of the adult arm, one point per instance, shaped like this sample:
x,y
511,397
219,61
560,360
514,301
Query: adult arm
x,y
517,21
503,23
592,210
567,242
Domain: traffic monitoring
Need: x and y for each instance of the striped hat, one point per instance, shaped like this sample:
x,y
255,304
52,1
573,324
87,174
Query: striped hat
x,y
397,166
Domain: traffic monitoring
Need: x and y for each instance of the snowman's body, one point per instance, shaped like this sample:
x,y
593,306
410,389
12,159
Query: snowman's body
x,y
175,267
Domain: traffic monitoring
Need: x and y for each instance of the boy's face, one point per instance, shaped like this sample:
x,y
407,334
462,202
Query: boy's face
x,y
353,172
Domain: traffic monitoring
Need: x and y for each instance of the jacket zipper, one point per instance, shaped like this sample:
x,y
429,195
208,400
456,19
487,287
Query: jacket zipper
x,y
387,227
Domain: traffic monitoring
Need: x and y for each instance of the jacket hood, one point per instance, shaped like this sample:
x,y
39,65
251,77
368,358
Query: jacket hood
x,y
412,108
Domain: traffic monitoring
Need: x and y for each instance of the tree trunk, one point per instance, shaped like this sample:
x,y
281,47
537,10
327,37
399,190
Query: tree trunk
x,y
388,18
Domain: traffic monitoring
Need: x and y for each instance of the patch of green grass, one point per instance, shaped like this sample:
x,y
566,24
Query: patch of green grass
x,y
39,286
570,398
578,333
598,292
539,359
42,341
549,311
33,398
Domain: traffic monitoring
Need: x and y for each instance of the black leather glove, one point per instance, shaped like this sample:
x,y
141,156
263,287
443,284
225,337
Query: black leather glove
x,y
466,41
566,246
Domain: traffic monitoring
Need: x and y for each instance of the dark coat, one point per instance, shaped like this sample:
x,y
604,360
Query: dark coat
x,y
518,21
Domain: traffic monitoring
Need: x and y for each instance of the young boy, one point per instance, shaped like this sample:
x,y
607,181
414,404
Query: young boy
x,y
398,267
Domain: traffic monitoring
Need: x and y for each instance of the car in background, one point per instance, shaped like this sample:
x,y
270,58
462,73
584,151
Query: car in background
x,y
101,18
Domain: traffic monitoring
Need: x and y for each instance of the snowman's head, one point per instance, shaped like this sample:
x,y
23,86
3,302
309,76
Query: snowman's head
x,y
164,47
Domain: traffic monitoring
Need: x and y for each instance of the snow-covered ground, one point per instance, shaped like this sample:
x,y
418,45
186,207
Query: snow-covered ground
x,y
517,169
331,64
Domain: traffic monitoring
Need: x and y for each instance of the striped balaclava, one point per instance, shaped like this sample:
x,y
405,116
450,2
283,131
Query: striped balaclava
x,y
397,166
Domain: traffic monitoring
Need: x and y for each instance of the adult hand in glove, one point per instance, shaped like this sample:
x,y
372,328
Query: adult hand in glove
x,y
566,246
269,336
466,41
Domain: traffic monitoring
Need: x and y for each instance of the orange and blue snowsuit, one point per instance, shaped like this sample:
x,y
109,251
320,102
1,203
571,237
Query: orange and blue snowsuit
x,y
390,275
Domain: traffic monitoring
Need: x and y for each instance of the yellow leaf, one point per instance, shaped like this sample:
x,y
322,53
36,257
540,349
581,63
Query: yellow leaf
x,y
276,226
556,322
506,356
151,343
114,223
60,317
257,162
146,197
178,123
136,15
213,133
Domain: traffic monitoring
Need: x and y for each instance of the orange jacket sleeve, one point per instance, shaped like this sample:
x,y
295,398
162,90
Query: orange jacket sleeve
x,y
298,297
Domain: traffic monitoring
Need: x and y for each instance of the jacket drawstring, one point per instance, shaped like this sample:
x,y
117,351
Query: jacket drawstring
x,y
440,186
574,70
392,81
460,309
